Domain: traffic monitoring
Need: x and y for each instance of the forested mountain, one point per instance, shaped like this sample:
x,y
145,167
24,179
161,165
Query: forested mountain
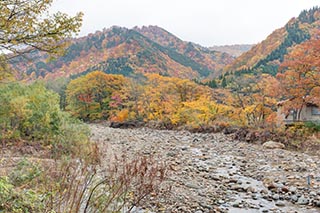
x,y
125,51
211,59
234,50
266,56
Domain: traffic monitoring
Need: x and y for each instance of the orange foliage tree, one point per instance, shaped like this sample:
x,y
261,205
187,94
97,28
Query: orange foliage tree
x,y
89,97
300,76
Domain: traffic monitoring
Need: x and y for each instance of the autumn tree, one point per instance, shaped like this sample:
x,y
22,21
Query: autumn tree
x,y
26,25
299,76
253,98
89,96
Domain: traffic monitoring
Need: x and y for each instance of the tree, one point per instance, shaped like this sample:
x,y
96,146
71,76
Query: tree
x,y
26,25
300,74
253,98
88,97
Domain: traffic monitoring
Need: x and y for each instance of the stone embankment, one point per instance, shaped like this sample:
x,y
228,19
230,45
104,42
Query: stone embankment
x,y
213,173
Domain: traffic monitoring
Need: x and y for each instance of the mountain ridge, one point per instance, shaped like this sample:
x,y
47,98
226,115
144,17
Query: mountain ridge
x,y
120,50
266,56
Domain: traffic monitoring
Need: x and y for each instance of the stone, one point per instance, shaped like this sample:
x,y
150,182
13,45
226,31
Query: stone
x,y
294,198
185,148
280,203
199,171
273,145
272,186
292,189
254,196
237,204
237,187
317,203
192,185
275,197
285,189
221,202
251,189
313,193
302,201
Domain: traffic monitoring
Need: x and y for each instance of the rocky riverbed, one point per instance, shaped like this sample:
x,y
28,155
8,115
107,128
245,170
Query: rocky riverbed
x,y
213,173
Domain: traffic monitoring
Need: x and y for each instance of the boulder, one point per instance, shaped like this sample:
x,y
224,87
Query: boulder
x,y
273,145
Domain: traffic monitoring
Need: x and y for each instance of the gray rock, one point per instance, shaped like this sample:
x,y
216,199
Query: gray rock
x,y
184,148
280,203
251,189
294,198
276,197
273,145
292,189
313,193
237,204
317,203
302,201
221,202
237,187
192,185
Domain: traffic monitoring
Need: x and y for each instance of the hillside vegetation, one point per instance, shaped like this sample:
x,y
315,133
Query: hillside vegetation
x,y
266,56
126,51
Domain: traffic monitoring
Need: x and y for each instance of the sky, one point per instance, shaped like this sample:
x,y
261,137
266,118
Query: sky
x,y
205,22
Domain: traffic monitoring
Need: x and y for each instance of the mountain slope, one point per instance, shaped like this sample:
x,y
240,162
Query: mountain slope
x,y
267,55
127,51
213,60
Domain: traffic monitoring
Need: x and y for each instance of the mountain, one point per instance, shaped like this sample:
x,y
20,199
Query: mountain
x,y
125,51
212,59
234,50
266,56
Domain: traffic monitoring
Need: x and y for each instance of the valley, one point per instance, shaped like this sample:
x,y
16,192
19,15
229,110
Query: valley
x,y
136,119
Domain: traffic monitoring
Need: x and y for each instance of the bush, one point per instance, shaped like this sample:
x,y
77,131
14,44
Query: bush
x,y
74,185
18,200
78,186
313,126
31,113
28,112
24,173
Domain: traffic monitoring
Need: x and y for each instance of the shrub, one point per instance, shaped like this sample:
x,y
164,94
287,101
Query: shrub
x,y
79,186
28,112
31,113
13,199
313,126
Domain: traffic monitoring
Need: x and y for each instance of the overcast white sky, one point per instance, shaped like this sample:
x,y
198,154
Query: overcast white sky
x,y
206,22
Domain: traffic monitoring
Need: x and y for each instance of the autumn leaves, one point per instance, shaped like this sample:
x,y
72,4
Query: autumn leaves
x,y
151,97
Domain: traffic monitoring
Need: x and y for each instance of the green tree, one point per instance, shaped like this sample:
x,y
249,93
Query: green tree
x,y
224,82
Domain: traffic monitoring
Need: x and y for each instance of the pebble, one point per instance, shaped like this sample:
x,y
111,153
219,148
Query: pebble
x,y
313,193
302,201
211,171
292,189
294,198
276,197
280,203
